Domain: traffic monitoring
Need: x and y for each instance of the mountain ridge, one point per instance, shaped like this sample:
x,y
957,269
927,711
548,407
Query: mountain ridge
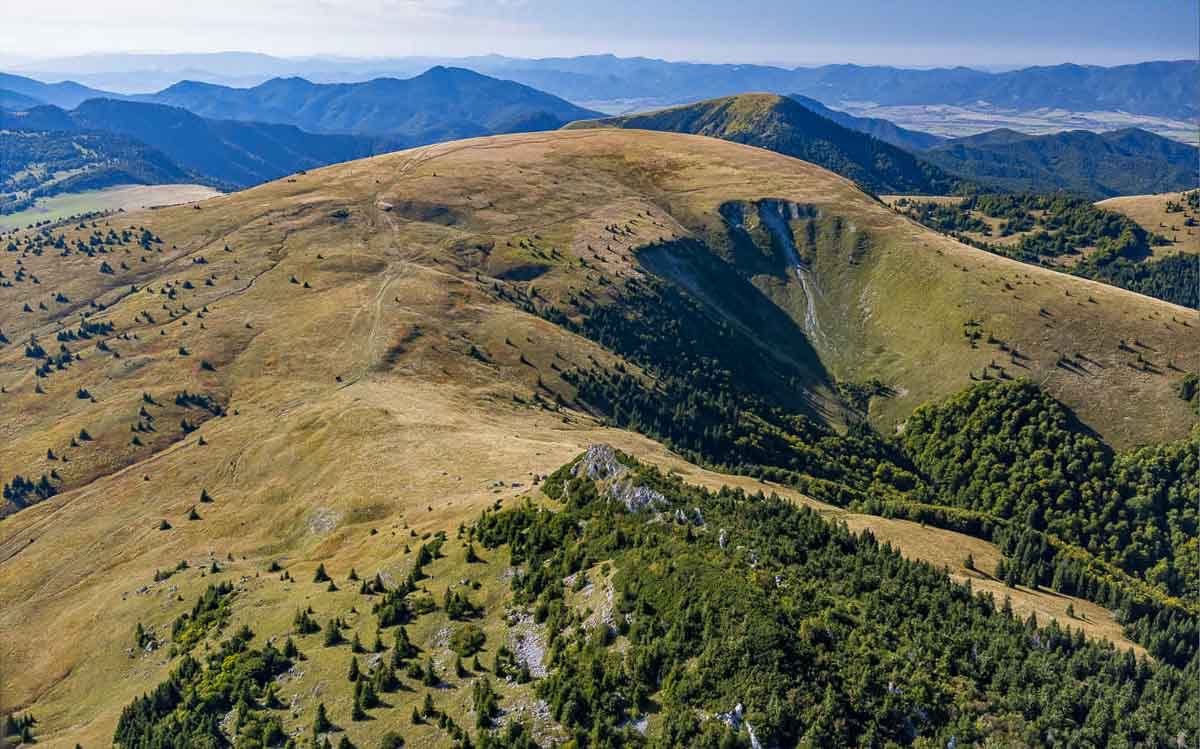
x,y
1129,161
421,342
465,104
226,154
66,94
784,125
1155,88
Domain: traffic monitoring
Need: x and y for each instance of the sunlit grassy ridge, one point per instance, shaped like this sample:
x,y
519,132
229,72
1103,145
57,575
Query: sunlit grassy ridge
x,y
381,350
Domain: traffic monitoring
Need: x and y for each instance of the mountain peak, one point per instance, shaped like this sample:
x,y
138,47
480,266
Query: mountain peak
x,y
782,124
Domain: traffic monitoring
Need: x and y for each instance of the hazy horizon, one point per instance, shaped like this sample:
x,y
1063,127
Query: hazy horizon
x,y
34,63
929,33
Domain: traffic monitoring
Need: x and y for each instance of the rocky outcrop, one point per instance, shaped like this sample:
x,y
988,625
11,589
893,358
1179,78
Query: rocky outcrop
x,y
637,498
600,463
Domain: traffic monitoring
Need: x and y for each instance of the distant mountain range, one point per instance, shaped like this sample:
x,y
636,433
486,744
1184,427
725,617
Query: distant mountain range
x,y
1129,161
1160,88
223,153
781,124
66,94
1093,165
235,138
440,104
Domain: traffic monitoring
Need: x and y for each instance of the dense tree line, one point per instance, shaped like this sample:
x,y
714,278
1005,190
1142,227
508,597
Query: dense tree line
x,y
1174,278
186,710
1034,559
826,637
1012,451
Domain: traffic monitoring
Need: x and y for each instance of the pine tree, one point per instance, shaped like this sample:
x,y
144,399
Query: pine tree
x,y
368,697
430,677
321,576
354,674
333,634
404,647
321,723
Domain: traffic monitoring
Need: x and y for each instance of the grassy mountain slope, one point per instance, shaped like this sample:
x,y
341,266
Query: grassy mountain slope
x,y
1095,165
440,104
884,130
1070,234
389,346
786,126
1165,214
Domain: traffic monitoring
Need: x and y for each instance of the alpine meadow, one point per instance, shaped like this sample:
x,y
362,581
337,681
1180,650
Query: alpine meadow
x,y
384,387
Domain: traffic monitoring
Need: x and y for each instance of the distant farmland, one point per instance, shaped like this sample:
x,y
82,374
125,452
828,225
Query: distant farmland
x,y
127,197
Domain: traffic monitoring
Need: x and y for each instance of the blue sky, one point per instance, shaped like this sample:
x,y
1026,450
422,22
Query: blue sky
x,y
901,32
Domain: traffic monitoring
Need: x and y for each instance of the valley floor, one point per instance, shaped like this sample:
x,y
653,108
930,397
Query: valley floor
x,y
956,122
120,197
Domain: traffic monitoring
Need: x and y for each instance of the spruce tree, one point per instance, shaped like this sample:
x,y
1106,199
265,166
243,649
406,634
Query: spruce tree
x,y
321,723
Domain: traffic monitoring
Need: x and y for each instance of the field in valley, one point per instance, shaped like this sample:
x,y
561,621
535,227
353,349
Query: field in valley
x,y
121,197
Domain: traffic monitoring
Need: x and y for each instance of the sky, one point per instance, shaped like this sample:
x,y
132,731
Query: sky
x,y
792,32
